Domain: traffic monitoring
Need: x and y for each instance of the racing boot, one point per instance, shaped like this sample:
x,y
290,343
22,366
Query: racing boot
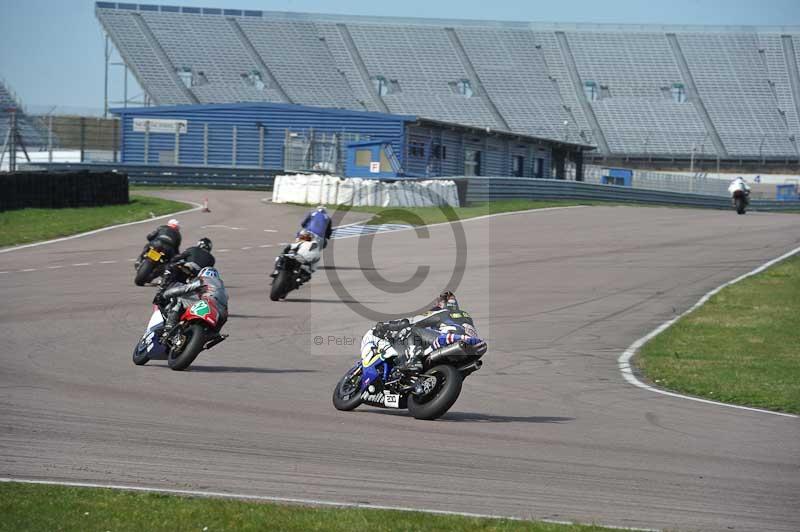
x,y
410,362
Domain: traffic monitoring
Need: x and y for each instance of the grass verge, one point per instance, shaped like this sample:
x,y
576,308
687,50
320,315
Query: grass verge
x,y
43,507
741,347
33,225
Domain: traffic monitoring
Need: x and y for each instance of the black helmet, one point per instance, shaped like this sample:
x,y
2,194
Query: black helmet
x,y
447,299
204,243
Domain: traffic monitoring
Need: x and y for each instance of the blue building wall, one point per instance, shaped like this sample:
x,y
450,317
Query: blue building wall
x,y
220,120
423,148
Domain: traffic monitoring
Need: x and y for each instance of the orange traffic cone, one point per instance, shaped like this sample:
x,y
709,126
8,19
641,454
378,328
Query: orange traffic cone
x,y
205,205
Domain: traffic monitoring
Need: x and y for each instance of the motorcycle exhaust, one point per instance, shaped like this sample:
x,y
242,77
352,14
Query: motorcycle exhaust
x,y
456,349
471,367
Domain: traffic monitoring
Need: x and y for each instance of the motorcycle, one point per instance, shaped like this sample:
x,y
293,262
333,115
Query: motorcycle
x,y
197,330
293,266
741,199
427,394
151,264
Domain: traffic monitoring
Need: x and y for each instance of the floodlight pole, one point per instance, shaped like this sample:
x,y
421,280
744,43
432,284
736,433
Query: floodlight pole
x,y
105,86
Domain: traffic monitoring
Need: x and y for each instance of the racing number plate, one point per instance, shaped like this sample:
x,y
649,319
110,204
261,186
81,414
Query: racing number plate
x,y
391,400
154,255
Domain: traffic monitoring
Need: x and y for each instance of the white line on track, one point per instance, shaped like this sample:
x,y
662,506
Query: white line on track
x,y
29,270
292,500
624,361
107,262
196,207
245,248
270,230
2,273
56,267
224,250
265,246
82,264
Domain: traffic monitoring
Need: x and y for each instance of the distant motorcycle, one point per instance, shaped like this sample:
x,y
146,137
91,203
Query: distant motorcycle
x,y
740,199
151,264
196,331
293,267
427,394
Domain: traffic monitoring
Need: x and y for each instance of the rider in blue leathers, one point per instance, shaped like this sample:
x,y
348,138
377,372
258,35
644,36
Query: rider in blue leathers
x,y
319,223
446,323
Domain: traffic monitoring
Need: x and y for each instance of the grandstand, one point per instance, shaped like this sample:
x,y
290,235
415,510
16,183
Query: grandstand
x,y
635,92
32,134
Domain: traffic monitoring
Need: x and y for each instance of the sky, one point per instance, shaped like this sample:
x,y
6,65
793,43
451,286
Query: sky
x,y
51,51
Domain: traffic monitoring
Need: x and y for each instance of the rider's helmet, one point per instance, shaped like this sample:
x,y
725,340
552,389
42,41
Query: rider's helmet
x,y
447,299
208,273
321,208
305,236
175,224
204,243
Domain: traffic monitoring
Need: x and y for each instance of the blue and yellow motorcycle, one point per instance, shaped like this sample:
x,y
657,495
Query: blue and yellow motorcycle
x,y
427,394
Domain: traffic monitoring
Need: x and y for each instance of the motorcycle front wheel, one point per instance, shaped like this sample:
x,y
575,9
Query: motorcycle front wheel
x,y
280,286
140,357
436,402
346,395
195,338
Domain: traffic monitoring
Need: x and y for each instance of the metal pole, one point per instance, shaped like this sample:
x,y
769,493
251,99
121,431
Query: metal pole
x,y
125,87
12,152
205,144
691,159
147,142
261,146
50,138
83,138
233,146
105,86
176,155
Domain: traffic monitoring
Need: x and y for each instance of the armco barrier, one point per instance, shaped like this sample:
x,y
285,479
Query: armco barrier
x,y
498,188
204,176
53,190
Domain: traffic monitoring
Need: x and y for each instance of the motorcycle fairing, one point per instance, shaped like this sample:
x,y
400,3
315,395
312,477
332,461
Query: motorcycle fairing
x,y
150,340
204,310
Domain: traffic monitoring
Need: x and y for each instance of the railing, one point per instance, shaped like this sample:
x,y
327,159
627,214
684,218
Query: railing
x,y
480,189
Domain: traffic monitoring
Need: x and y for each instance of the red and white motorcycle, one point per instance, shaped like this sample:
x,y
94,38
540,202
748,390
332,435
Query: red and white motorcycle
x,y
197,330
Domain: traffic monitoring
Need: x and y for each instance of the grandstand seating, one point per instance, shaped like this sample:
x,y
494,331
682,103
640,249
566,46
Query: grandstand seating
x,y
525,77
32,135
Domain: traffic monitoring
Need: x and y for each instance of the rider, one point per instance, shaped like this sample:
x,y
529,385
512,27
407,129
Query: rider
x,y
319,223
443,325
195,258
206,286
739,184
168,236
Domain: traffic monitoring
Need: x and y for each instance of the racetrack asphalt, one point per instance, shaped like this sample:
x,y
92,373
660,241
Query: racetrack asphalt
x,y
547,429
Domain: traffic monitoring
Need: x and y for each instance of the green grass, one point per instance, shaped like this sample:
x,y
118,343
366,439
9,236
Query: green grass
x,y
27,507
741,347
33,225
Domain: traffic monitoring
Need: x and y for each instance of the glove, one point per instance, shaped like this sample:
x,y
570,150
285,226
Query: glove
x,y
159,299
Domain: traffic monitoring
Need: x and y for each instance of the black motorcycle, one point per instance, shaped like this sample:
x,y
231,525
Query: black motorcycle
x,y
427,394
741,199
289,273
152,263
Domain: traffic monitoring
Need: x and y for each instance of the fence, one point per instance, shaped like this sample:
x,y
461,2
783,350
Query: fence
x,y
501,188
314,151
56,190
668,182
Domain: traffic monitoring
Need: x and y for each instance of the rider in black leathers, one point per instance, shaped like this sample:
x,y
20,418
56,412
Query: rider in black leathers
x,y
444,324
165,237
193,259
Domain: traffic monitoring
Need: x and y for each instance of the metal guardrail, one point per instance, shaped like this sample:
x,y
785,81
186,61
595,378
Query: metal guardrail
x,y
173,175
499,188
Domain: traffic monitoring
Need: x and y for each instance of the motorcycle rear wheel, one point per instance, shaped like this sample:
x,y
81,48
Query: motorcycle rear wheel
x,y
196,334
437,402
741,206
144,273
346,395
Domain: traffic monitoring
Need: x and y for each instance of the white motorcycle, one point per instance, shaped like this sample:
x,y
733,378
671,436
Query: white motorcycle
x,y
294,266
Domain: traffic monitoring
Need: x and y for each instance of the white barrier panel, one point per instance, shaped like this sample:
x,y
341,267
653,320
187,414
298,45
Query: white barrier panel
x,y
331,190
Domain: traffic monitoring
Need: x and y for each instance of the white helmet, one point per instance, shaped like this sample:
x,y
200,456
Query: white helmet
x,y
175,224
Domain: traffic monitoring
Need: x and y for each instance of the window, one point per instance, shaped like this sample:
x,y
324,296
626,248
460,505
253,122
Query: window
x,y
254,79
518,166
384,86
590,90
678,92
185,75
462,87
416,149
386,166
472,162
363,157
538,167
439,151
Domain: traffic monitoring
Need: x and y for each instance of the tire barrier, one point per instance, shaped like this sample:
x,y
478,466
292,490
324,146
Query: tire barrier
x,y
54,190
